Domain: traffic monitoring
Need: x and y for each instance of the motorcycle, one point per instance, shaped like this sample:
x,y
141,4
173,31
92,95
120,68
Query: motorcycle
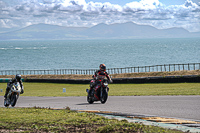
x,y
99,92
13,95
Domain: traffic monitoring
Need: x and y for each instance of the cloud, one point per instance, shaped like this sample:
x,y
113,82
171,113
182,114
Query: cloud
x,y
79,13
144,5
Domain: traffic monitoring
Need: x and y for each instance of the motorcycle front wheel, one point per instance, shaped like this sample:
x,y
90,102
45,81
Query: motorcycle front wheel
x,y
104,96
89,98
13,100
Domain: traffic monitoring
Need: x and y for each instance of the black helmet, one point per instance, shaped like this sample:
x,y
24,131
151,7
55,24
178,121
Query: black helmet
x,y
102,67
18,77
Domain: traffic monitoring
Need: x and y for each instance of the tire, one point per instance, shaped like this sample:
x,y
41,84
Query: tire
x,y
89,98
104,97
5,103
13,100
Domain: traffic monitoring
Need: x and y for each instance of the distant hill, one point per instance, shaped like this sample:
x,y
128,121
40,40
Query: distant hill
x,y
42,31
101,31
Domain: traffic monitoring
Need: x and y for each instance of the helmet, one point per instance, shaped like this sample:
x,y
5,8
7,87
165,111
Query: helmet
x,y
18,77
102,67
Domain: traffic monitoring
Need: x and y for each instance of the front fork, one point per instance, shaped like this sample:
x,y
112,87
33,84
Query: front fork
x,y
90,92
101,92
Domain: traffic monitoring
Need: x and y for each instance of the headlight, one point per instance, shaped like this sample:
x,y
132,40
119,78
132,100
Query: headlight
x,y
105,84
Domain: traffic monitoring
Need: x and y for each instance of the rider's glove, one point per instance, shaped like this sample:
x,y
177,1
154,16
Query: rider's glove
x,y
22,91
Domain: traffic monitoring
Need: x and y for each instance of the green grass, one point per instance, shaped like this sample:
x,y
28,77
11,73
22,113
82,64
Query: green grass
x,y
155,89
47,120
53,89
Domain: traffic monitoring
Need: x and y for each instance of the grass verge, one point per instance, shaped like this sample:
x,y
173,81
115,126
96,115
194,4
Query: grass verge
x,y
48,120
55,90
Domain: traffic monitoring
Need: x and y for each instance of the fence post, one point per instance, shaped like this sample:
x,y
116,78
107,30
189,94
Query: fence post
x,y
199,66
174,67
164,67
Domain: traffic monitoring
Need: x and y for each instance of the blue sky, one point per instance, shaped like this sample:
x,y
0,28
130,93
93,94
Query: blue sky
x,y
161,14
123,2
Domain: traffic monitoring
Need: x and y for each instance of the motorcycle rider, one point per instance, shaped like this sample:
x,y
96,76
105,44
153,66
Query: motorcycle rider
x,y
9,85
100,75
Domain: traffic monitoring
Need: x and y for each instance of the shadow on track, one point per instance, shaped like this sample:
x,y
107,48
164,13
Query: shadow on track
x,y
87,103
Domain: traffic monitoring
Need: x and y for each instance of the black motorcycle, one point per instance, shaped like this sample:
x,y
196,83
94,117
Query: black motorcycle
x,y
99,91
13,95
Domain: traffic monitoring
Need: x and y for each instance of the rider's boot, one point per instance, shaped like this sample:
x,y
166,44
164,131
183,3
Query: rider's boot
x,y
107,88
91,92
5,96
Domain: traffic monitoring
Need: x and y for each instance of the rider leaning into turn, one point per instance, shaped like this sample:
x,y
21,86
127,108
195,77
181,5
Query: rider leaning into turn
x,y
9,85
101,74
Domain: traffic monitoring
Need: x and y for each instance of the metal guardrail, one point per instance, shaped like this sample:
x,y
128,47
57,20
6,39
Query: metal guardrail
x,y
154,68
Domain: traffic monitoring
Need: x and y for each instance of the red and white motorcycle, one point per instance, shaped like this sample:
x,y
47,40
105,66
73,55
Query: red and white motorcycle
x,y
99,91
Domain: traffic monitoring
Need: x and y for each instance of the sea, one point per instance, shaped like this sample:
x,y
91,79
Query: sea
x,y
89,54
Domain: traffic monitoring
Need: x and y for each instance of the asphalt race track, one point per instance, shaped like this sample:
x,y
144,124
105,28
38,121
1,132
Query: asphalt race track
x,y
184,107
